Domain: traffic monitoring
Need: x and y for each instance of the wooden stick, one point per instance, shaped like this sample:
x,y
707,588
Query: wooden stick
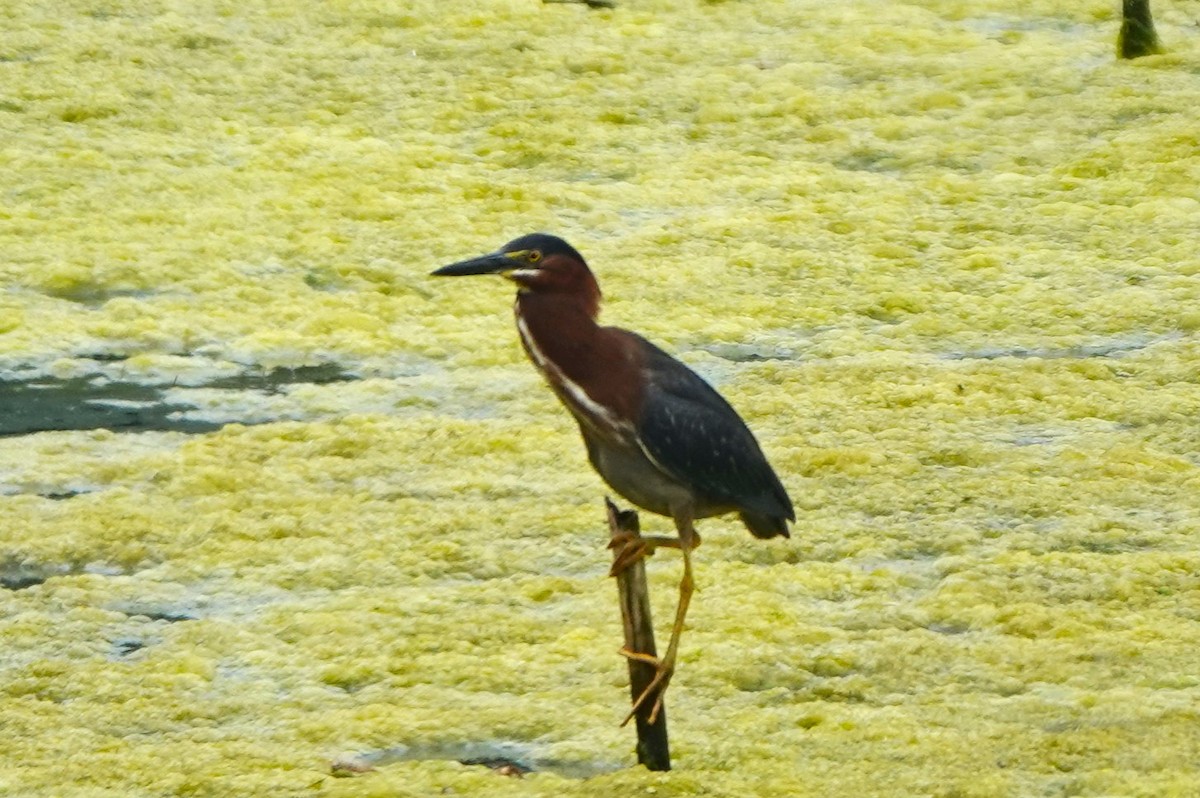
x,y
653,749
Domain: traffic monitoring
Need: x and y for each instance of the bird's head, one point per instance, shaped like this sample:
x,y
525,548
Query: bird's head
x,y
539,264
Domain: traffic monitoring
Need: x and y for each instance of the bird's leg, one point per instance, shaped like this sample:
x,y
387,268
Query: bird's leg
x,y
632,548
665,666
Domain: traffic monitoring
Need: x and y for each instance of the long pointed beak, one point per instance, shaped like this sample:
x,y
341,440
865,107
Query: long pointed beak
x,y
493,263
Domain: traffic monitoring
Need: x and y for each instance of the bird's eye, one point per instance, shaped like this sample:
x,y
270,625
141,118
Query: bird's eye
x,y
534,256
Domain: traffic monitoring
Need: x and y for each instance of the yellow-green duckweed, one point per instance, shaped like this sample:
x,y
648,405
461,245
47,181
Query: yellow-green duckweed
x,y
944,258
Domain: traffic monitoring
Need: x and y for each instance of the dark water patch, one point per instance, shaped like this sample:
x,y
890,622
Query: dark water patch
x,y
125,647
82,403
41,403
749,353
59,496
170,616
104,357
588,3
17,573
277,378
502,765
60,492
504,757
22,575
21,581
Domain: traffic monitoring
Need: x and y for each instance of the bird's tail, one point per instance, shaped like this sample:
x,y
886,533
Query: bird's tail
x,y
765,526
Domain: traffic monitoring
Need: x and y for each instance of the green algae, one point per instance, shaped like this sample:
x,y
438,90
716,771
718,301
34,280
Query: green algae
x,y
943,258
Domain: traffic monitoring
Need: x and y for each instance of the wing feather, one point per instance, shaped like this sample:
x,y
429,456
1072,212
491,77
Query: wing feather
x,y
692,433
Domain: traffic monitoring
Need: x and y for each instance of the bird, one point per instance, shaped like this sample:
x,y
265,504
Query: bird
x,y
655,431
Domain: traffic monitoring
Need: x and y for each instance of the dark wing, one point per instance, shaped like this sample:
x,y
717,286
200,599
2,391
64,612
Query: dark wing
x,y
691,432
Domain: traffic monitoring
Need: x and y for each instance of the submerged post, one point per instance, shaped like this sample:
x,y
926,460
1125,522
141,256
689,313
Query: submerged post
x,y
653,749
1137,36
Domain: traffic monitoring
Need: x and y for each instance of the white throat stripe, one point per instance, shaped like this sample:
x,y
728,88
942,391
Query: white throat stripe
x,y
594,408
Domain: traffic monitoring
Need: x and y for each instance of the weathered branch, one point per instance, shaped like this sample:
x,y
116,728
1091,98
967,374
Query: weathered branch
x,y
653,749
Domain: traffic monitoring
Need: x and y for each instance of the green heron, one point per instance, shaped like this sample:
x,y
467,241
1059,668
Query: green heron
x,y
657,433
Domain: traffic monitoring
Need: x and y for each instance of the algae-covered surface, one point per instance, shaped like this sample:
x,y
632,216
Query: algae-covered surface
x,y
945,259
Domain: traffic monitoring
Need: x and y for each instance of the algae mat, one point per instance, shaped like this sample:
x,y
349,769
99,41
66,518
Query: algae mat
x,y
943,257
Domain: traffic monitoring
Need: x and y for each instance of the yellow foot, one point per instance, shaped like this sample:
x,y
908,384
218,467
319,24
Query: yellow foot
x,y
630,548
657,687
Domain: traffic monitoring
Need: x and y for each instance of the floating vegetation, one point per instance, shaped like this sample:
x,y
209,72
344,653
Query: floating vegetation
x,y
268,493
